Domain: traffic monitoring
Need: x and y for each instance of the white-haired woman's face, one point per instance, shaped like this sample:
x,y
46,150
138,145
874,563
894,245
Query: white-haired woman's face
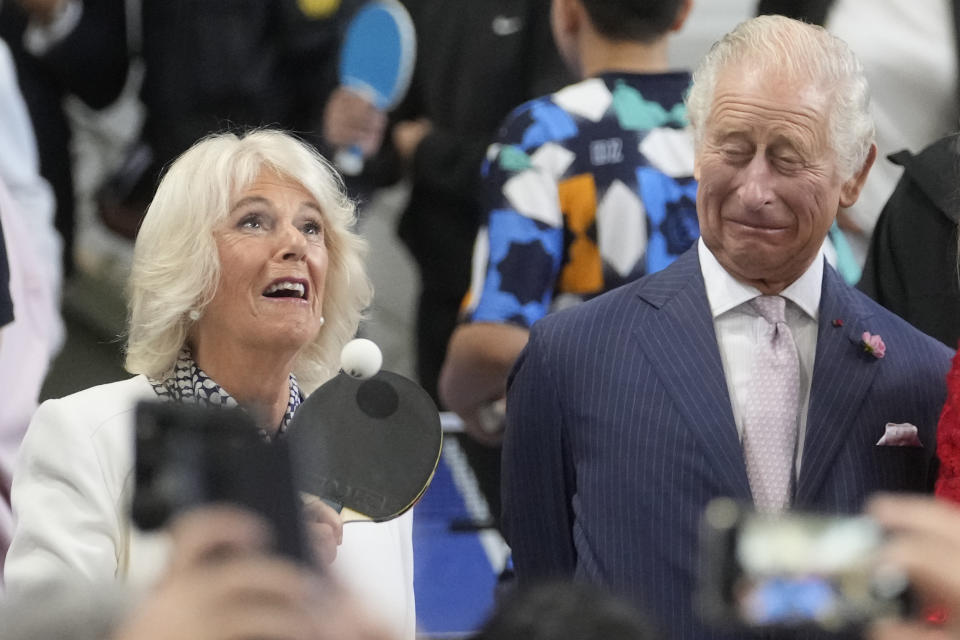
x,y
273,263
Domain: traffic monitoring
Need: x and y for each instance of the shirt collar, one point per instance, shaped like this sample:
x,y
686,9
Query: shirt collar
x,y
724,292
190,383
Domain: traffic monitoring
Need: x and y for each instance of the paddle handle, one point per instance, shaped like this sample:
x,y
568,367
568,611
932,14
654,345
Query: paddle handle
x,y
333,504
349,160
346,514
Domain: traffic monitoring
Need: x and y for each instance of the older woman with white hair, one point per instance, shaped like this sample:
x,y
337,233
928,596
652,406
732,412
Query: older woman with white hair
x,y
247,280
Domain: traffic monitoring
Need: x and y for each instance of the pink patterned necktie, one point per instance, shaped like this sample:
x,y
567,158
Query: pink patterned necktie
x,y
770,415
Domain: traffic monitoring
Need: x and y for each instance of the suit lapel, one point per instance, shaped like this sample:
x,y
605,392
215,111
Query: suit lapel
x,y
842,375
678,337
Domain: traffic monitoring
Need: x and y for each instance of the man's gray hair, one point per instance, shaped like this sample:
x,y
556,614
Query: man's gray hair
x,y
176,267
804,52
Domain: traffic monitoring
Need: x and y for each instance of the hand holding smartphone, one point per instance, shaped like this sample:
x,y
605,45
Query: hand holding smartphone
x,y
188,455
797,570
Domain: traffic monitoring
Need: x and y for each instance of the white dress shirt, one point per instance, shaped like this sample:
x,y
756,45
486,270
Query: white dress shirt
x,y
738,327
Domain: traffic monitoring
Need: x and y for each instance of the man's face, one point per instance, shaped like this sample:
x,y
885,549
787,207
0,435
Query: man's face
x,y
769,184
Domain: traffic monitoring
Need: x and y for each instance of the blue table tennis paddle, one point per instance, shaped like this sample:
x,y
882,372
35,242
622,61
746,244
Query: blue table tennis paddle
x,y
376,61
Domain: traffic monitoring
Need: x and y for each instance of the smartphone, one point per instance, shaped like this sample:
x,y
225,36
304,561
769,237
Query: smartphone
x,y
189,455
796,570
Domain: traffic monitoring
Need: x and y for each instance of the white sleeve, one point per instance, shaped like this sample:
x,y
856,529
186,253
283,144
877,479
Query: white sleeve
x,y
20,172
67,522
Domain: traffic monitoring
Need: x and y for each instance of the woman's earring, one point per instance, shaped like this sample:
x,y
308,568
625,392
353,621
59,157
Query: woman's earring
x,y
194,315
322,320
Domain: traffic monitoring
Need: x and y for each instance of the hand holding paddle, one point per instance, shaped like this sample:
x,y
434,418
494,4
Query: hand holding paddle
x,y
351,120
376,63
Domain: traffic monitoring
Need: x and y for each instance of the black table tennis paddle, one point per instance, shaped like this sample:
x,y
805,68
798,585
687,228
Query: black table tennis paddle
x,y
367,446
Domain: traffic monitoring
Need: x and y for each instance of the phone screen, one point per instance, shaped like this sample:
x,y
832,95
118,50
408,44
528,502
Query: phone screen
x,y
803,570
808,568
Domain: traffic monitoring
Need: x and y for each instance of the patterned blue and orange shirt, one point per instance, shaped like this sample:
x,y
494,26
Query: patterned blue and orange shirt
x,y
585,189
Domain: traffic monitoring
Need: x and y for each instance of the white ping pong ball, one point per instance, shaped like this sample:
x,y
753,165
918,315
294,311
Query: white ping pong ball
x,y
361,358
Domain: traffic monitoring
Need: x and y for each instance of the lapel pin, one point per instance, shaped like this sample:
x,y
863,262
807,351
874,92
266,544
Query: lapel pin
x,y
838,322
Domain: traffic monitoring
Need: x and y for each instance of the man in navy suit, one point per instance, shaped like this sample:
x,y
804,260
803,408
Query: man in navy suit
x,y
628,414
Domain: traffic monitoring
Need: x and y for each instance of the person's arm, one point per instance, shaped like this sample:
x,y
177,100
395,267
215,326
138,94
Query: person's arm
x,y
536,468
948,438
68,523
350,119
516,266
28,198
448,161
329,116
925,543
474,377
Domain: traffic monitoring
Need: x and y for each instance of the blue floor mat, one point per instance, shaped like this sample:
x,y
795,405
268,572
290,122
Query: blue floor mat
x,y
454,572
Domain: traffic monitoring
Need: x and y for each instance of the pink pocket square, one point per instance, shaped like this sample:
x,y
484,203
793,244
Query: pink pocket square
x,y
900,435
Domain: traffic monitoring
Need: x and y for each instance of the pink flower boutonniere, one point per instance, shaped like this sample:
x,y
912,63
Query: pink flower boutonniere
x,y
873,344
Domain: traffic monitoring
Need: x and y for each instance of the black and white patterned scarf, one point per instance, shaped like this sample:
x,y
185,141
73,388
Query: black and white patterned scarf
x,y
189,384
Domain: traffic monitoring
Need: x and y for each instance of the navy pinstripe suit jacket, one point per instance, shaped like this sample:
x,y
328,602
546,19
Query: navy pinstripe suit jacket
x,y
621,430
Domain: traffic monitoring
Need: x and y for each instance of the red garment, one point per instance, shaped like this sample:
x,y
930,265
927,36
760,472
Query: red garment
x,y
948,437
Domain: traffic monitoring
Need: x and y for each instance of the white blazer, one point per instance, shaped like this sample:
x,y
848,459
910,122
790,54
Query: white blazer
x,y
72,489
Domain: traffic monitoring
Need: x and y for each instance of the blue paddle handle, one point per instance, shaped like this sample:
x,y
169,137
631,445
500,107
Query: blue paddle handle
x,y
349,160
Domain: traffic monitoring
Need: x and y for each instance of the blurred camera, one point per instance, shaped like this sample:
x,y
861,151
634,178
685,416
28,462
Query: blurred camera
x,y
796,570
188,455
